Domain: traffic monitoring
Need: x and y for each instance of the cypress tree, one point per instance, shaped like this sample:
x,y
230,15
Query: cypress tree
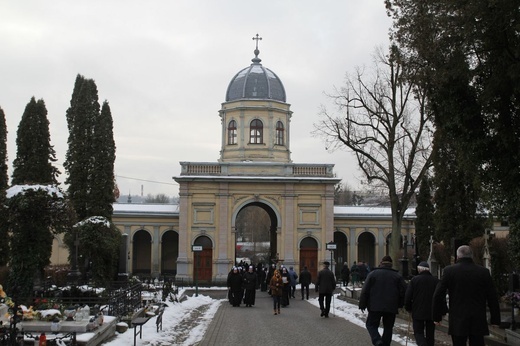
x,y
103,146
4,240
35,156
90,163
424,225
36,210
81,120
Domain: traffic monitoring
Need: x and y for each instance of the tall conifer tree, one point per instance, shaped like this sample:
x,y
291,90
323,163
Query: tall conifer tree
x,y
35,155
90,163
4,241
37,210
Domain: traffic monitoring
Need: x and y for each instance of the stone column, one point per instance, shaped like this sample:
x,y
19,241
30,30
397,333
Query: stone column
x,y
184,246
223,229
156,252
288,229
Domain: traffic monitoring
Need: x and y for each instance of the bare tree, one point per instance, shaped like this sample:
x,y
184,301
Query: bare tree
x,y
384,119
160,198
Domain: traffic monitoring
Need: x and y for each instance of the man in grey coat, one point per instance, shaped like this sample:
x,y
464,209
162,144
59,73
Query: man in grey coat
x,y
325,285
470,288
382,294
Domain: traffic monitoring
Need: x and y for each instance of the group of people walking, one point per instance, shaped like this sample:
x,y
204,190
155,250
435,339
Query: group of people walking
x,y
469,287
242,286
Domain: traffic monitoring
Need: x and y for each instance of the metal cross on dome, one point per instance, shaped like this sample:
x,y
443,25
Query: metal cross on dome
x,y
257,38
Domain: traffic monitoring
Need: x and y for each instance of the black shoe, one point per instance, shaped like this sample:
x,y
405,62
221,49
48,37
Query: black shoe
x,y
322,313
326,315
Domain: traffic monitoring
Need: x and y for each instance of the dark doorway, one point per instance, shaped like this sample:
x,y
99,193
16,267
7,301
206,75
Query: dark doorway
x,y
366,248
169,253
341,253
142,253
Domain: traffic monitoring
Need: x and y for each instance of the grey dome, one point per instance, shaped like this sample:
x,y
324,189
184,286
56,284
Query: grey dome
x,y
256,82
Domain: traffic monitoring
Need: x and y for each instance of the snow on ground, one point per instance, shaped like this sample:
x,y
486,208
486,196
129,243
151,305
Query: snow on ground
x,y
185,323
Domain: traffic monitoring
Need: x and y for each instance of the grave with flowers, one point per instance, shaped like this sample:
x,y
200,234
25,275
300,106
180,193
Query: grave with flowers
x,y
74,325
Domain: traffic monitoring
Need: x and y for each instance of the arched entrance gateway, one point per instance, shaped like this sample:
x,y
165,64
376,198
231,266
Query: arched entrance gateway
x,y
255,227
254,170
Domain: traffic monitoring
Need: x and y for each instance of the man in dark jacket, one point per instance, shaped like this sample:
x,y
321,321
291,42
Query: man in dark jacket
x,y
325,285
382,294
469,287
305,281
418,302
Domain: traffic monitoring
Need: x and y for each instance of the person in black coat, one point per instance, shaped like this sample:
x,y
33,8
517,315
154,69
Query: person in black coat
x,y
382,295
470,288
418,301
305,281
250,283
234,284
325,286
262,277
345,274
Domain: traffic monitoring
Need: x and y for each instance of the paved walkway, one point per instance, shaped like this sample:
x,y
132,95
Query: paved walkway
x,y
298,324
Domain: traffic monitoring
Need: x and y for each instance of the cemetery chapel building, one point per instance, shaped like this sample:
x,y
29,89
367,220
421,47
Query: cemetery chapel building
x,y
198,237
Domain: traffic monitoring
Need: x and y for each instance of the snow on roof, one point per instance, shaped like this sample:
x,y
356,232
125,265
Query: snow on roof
x,y
365,211
144,208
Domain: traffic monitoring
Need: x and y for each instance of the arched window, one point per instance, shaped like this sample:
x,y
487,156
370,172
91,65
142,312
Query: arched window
x,y
256,132
232,132
279,133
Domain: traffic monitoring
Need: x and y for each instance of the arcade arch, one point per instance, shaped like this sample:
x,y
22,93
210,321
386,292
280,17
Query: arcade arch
x,y
341,253
366,248
142,253
169,253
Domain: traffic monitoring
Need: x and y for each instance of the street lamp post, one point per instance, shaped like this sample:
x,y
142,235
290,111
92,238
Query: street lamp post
x,y
196,249
404,260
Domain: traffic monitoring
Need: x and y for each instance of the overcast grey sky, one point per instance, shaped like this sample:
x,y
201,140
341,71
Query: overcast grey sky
x,y
164,67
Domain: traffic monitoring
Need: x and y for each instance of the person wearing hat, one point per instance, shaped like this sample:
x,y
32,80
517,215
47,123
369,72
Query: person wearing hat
x,y
418,301
382,295
325,286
